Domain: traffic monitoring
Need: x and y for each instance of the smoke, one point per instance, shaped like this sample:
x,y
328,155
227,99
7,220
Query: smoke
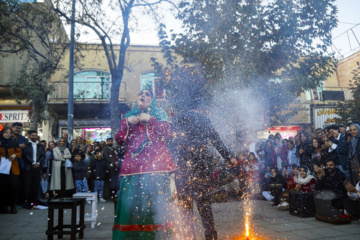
x,y
236,113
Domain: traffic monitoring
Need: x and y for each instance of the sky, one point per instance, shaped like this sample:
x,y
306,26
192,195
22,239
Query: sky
x,y
348,16
345,40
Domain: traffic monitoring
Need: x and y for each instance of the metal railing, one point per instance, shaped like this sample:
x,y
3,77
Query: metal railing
x,y
61,91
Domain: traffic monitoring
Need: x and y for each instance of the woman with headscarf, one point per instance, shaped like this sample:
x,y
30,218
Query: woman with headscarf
x,y
305,182
304,151
354,153
61,176
319,152
9,151
144,203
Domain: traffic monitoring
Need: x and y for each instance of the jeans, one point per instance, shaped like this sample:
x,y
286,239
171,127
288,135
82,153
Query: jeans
x,y
81,185
346,172
99,187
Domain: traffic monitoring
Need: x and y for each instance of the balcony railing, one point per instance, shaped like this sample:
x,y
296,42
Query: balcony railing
x,y
99,94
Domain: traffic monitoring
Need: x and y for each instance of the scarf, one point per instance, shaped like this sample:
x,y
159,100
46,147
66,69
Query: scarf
x,y
305,180
278,145
354,141
154,111
62,149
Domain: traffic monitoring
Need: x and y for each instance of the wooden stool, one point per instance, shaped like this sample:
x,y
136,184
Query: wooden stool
x,y
61,204
92,197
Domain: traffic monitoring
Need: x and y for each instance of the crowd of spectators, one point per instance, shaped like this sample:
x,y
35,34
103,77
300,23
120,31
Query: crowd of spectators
x,y
40,171
323,159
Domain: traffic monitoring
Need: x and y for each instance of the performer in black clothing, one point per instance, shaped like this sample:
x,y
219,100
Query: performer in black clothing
x,y
193,132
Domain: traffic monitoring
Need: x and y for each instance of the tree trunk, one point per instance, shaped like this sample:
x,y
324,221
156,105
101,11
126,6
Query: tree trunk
x,y
35,116
114,104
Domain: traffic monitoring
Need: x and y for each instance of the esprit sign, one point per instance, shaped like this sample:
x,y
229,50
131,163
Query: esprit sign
x,y
14,116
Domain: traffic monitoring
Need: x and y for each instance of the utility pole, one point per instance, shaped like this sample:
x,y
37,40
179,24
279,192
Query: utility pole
x,y
71,75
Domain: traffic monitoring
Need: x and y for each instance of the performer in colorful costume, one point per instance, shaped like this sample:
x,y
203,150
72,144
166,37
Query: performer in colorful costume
x,y
144,206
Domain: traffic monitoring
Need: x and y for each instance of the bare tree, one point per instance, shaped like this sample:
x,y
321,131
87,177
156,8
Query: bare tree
x,y
111,21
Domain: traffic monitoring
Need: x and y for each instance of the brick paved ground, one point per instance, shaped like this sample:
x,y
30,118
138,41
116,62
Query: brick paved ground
x,y
266,222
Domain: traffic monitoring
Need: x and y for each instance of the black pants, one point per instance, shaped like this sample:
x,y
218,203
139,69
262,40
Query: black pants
x,y
188,191
114,175
31,181
8,189
352,207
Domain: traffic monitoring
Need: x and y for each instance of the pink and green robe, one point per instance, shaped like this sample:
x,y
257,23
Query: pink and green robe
x,y
144,206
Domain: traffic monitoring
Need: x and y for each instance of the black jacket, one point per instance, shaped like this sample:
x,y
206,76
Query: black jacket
x,y
40,154
194,132
335,183
305,157
79,170
278,179
342,151
98,168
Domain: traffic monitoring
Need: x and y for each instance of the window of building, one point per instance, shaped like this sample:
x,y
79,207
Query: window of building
x,y
150,81
92,85
315,94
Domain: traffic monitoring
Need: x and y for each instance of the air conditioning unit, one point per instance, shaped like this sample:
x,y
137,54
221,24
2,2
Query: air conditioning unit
x,y
333,95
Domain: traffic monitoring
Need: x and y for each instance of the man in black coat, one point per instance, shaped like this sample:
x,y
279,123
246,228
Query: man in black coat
x,y
194,131
340,148
35,155
331,179
110,154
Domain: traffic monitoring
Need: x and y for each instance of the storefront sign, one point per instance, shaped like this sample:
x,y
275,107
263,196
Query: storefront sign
x,y
285,131
14,116
302,116
324,117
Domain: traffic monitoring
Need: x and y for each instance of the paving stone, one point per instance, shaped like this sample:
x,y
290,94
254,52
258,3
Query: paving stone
x,y
328,232
308,235
290,226
267,222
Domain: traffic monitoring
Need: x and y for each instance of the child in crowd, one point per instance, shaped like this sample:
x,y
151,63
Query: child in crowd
x,y
44,184
253,170
98,170
80,173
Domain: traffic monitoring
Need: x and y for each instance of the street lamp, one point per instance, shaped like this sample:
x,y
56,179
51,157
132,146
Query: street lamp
x,y
71,75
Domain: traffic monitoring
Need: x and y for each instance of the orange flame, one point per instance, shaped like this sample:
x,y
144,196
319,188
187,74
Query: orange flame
x,y
247,208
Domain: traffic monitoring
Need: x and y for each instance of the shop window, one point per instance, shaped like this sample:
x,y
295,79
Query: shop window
x,y
92,85
150,81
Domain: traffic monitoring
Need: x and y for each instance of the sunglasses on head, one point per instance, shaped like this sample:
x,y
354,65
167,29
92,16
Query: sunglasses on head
x,y
146,94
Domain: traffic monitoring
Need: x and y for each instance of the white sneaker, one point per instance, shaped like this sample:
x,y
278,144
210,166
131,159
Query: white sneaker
x,y
88,201
284,206
102,200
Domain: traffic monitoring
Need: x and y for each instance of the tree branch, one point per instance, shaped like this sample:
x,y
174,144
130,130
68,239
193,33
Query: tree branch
x,y
111,66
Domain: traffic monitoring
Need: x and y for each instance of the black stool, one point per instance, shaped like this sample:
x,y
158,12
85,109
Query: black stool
x,y
61,204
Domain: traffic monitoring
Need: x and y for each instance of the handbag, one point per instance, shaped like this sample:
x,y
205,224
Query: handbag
x,y
68,163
